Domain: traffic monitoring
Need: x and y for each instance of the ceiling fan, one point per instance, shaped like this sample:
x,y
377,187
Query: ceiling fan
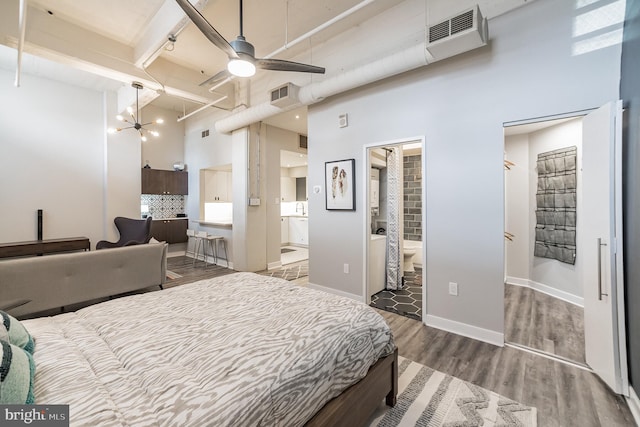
x,y
241,53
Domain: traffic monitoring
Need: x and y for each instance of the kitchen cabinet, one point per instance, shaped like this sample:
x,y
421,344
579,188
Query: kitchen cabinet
x,y
284,230
377,263
218,186
287,189
169,230
299,231
163,182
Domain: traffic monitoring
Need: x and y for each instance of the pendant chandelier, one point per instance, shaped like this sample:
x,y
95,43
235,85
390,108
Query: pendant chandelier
x,y
134,122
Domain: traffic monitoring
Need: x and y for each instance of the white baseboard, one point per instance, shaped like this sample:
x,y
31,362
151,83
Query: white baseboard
x,y
470,331
634,405
335,292
221,262
274,265
546,289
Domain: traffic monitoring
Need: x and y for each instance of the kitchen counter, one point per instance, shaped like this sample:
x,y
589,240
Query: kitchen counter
x,y
295,216
226,223
166,219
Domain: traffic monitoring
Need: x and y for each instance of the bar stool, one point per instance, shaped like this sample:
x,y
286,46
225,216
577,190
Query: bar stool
x,y
213,243
199,237
191,237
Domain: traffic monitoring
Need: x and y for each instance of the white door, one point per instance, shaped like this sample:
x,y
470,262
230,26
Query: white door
x,y
601,238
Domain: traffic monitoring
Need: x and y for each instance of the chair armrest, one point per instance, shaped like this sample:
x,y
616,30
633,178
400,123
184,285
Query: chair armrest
x,y
103,244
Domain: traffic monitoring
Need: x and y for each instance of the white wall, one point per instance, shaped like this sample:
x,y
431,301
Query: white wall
x,y
202,153
57,157
164,151
517,207
459,105
552,276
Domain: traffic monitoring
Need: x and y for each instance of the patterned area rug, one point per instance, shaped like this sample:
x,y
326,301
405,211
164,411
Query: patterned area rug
x,y
289,272
430,398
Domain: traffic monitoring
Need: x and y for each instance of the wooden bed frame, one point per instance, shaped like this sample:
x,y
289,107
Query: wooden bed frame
x,y
356,404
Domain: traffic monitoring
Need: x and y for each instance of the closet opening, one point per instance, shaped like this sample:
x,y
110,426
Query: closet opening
x,y
544,253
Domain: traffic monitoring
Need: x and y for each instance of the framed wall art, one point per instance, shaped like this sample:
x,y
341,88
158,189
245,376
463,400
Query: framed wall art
x,y
340,185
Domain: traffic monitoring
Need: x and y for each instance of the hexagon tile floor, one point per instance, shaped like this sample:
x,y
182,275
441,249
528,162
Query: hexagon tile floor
x,y
405,302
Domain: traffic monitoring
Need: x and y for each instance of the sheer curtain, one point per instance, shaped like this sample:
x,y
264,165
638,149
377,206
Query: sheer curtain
x,y
395,212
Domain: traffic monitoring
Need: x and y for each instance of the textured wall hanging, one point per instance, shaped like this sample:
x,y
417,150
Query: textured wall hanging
x,y
556,205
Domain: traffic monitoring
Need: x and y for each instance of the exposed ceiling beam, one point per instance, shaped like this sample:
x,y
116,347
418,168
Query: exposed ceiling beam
x,y
50,37
170,19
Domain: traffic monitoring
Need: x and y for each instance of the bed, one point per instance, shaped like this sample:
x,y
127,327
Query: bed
x,y
237,350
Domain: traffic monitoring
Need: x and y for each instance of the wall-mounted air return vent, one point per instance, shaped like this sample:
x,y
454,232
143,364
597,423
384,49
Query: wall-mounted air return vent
x,y
302,143
285,95
460,33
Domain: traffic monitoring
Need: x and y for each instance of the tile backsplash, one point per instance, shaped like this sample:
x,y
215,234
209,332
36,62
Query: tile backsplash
x,y
161,206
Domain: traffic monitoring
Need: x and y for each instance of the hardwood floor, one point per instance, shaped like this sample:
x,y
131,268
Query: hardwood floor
x,y
539,321
184,267
564,395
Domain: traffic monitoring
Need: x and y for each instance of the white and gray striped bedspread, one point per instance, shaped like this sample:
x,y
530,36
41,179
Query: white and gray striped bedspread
x,y
238,350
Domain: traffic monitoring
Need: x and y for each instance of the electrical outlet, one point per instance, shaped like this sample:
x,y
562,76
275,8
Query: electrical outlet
x,y
346,269
453,288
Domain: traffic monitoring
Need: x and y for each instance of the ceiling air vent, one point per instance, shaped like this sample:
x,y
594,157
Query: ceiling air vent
x,y
457,34
285,95
439,31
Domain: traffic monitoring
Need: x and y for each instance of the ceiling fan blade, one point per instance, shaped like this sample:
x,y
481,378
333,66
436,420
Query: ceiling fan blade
x,y
206,28
282,65
216,77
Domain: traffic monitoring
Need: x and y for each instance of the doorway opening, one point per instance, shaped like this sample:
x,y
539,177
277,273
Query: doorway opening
x,y
589,239
543,251
394,278
294,209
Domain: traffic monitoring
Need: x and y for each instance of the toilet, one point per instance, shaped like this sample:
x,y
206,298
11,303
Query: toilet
x,y
408,259
412,251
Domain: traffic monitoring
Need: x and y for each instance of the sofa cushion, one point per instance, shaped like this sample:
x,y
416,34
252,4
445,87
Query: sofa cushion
x,y
17,373
15,333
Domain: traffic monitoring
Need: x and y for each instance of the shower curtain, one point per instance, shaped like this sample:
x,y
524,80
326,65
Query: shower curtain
x,y
394,218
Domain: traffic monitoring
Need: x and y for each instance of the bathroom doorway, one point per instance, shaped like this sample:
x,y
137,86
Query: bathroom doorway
x,y
395,278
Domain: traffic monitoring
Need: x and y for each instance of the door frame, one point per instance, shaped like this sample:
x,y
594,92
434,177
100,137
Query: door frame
x,y
366,212
620,331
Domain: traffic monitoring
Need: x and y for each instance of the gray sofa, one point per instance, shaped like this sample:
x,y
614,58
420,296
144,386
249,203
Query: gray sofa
x,y
53,281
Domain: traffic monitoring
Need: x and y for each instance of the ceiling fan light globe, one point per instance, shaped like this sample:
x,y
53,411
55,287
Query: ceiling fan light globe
x,y
112,130
241,68
159,121
154,133
130,110
119,117
143,138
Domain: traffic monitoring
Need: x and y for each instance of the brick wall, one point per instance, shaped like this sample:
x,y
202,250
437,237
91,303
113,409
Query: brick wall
x,y
412,183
